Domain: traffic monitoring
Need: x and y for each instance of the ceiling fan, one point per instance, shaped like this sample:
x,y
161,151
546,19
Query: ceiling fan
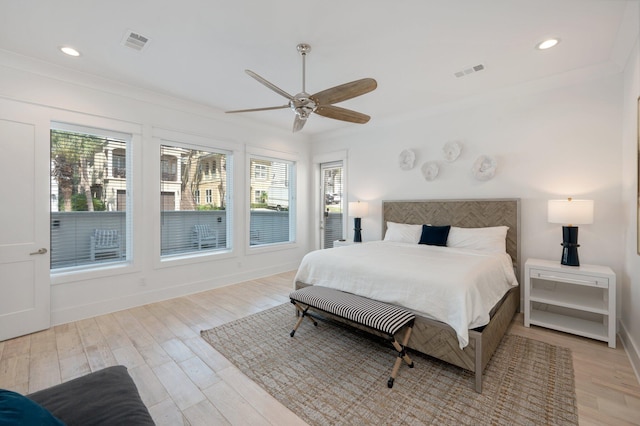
x,y
304,104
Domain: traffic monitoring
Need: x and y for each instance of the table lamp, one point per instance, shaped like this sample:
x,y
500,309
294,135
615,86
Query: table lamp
x,y
570,212
357,210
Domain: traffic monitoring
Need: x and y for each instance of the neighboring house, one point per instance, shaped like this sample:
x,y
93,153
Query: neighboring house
x,y
269,184
108,172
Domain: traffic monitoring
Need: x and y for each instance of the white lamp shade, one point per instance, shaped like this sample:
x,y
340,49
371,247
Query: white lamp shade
x,y
358,209
570,212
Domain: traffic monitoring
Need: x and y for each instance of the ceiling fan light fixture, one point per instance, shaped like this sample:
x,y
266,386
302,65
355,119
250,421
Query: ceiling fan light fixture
x,y
68,50
548,43
303,104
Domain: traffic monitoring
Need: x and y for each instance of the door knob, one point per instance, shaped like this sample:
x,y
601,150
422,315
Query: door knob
x,y
40,251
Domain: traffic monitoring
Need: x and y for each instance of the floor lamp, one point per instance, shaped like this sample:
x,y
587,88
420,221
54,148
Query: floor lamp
x,y
570,212
357,210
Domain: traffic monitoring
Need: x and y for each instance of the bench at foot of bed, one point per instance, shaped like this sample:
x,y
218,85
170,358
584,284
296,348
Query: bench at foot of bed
x,y
379,316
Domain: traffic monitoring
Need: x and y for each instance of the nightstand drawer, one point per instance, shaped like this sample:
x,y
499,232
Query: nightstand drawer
x,y
572,278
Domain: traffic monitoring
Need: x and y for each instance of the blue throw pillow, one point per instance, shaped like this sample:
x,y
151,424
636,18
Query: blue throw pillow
x,y
434,235
19,410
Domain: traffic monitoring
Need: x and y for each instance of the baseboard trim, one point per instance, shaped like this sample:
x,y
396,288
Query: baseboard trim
x,y
76,313
632,349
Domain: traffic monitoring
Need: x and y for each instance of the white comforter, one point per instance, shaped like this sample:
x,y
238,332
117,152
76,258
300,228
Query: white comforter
x,y
456,286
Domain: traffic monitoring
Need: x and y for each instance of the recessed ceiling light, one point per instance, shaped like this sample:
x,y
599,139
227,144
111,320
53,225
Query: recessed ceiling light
x,y
547,44
69,51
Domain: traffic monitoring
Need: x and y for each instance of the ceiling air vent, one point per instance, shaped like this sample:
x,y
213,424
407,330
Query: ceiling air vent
x,y
469,70
134,41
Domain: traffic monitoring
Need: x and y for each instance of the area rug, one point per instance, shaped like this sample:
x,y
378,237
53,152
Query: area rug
x,y
332,375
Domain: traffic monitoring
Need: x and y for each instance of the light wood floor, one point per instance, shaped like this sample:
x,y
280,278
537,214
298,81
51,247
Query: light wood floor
x,y
184,381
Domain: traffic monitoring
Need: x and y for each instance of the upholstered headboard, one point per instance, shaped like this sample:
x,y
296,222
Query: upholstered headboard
x,y
462,213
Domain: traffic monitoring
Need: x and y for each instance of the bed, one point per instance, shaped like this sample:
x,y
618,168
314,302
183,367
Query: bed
x,y
431,336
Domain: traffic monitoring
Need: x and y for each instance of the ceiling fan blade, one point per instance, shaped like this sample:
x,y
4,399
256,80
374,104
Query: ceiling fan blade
x,y
269,85
298,123
337,113
257,109
345,91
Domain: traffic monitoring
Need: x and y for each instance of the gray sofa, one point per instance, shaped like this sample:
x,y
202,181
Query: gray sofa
x,y
104,397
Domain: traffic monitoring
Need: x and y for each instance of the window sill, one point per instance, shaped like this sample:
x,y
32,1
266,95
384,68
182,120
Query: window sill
x,y
69,275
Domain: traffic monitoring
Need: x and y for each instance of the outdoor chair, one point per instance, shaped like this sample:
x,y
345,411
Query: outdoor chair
x,y
105,243
204,236
254,237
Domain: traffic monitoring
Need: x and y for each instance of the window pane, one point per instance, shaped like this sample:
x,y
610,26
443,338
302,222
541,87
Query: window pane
x,y
192,201
332,205
88,192
272,202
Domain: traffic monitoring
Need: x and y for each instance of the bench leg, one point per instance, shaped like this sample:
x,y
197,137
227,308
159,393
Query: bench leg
x,y
402,355
303,314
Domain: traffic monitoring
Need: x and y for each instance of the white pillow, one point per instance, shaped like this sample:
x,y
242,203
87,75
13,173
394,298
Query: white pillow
x,y
403,232
491,239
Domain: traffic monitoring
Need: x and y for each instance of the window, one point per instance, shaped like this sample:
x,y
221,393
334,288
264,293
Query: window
x,y
90,218
272,213
332,206
189,223
169,166
260,197
259,171
119,163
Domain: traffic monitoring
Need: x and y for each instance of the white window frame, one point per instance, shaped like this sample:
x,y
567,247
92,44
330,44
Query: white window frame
x,y
170,137
292,160
65,120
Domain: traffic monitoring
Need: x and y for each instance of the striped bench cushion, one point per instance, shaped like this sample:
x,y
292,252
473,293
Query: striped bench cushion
x,y
371,313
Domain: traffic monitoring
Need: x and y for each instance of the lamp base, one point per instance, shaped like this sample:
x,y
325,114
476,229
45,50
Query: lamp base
x,y
357,234
570,246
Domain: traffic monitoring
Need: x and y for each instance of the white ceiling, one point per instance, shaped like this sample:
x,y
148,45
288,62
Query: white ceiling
x,y
199,49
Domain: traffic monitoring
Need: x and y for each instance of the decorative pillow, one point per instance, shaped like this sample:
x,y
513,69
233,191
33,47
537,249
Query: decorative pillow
x,y
16,409
402,232
434,235
104,397
491,239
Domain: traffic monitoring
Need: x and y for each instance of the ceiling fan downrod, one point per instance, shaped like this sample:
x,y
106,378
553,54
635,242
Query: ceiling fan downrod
x,y
304,48
301,103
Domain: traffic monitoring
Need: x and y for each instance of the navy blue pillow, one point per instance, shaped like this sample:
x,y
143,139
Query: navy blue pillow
x,y
434,235
16,409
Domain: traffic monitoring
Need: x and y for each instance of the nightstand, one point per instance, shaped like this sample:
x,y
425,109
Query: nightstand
x,y
574,299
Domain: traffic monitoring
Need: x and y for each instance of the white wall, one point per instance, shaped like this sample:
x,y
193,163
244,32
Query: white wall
x,y
45,93
630,277
550,143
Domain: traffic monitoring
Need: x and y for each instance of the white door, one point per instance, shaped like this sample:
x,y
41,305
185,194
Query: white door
x,y
24,230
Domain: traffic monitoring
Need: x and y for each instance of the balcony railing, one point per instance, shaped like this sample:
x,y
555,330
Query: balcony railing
x,y
71,232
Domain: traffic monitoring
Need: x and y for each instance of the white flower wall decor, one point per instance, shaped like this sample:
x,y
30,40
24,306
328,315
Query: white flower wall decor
x,y
406,159
484,168
430,170
451,151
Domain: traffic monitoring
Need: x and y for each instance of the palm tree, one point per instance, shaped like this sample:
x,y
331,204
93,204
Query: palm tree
x,y
72,153
191,176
